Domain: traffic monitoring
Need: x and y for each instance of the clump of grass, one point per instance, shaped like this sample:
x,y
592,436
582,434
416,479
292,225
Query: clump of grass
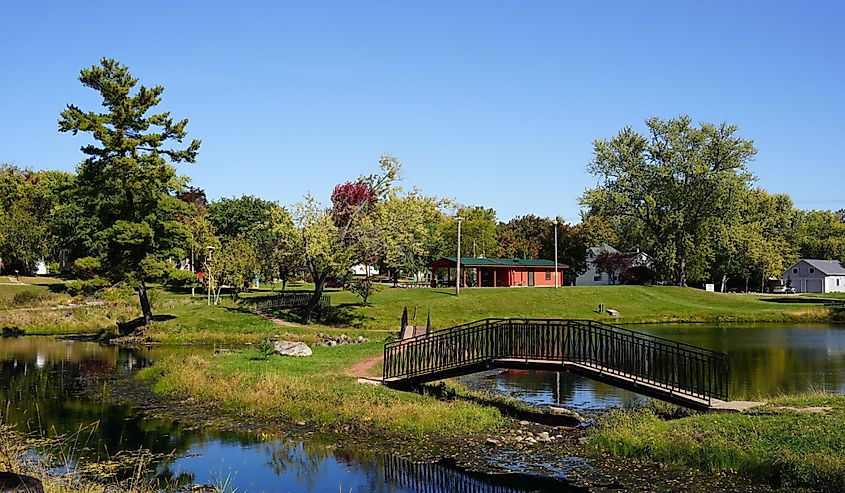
x,y
786,448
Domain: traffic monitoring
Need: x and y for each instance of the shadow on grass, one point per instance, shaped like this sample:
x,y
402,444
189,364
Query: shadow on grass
x,y
133,325
803,300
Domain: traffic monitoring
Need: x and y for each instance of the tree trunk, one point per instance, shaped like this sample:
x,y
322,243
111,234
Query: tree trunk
x,y
681,272
146,309
319,284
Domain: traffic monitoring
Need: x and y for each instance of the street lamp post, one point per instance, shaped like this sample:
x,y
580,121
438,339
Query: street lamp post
x,y
458,280
557,281
208,263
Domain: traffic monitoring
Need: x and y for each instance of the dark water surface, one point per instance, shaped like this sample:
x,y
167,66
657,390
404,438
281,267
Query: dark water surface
x,y
765,360
54,386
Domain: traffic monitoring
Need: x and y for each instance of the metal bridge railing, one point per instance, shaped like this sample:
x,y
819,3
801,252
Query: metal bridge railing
x,y
611,350
292,300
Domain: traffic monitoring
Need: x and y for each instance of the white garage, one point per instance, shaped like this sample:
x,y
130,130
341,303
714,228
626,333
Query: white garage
x,y
816,276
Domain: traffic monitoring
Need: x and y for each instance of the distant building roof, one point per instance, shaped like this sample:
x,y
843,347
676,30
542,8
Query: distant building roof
x,y
828,267
603,248
496,262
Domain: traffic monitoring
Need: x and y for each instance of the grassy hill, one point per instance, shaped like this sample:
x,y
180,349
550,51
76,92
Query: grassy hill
x,y
636,304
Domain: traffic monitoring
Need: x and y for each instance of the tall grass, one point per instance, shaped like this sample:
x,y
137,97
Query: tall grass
x,y
783,447
315,390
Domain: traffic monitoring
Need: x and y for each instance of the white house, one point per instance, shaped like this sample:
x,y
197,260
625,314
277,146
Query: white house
x,y
362,270
592,278
816,276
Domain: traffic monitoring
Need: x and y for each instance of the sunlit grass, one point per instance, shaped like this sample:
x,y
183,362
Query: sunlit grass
x,y
773,444
317,390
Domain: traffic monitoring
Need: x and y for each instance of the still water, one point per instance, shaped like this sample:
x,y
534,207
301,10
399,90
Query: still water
x,y
54,386
765,360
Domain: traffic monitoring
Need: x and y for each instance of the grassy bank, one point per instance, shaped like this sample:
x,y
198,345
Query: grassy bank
x,y
317,390
786,443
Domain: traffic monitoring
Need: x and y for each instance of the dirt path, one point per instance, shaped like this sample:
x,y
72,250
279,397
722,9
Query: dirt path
x,y
277,321
362,369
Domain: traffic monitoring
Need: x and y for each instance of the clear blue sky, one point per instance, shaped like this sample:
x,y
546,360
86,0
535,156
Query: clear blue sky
x,y
491,103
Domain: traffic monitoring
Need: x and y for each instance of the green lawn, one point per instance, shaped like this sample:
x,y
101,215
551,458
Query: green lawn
x,y
181,318
636,304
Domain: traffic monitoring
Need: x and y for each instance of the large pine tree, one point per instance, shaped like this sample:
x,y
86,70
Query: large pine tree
x,y
128,180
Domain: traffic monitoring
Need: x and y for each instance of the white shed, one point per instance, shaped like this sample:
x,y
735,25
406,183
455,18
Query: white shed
x,y
816,276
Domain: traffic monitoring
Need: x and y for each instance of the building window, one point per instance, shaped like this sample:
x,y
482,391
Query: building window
x,y
837,282
795,271
812,270
596,278
548,275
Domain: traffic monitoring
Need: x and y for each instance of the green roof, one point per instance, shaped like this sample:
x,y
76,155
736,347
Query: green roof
x,y
503,262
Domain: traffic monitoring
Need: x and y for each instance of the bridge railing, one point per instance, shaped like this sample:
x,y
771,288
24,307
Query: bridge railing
x,y
643,358
442,350
607,349
292,300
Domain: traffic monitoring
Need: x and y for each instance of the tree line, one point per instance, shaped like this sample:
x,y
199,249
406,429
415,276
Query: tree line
x,y
680,192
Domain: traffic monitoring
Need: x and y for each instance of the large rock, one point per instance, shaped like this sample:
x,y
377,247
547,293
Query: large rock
x,y
18,483
287,348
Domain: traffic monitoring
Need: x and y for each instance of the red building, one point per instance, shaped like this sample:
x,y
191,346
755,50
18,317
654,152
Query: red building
x,y
496,272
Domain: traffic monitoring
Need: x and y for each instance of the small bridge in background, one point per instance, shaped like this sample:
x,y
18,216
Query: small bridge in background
x,y
671,371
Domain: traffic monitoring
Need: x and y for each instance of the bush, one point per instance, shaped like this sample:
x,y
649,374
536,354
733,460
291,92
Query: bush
x,y
636,275
364,288
87,287
265,348
28,297
180,278
86,268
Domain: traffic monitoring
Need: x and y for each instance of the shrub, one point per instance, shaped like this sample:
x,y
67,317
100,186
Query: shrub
x,y
27,297
636,275
265,348
86,268
180,278
364,288
87,287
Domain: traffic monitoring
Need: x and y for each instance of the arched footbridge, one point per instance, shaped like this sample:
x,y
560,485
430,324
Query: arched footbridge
x,y
671,371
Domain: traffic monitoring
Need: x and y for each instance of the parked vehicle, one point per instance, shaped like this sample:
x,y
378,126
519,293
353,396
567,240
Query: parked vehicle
x,y
781,289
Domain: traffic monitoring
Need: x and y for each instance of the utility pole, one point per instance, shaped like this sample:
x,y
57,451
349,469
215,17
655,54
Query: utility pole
x,y
458,280
208,281
557,281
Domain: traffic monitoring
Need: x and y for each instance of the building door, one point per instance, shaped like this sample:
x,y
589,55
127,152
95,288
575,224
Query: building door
x,y
814,285
530,277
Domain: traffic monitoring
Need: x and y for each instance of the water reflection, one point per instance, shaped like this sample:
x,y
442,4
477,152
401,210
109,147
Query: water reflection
x,y
55,386
765,360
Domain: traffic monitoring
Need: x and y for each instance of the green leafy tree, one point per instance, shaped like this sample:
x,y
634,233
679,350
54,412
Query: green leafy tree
x,y
332,244
478,233
673,181
524,237
29,205
127,182
410,232
237,265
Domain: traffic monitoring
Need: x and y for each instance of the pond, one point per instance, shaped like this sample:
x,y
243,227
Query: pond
x,y
58,386
55,386
765,360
